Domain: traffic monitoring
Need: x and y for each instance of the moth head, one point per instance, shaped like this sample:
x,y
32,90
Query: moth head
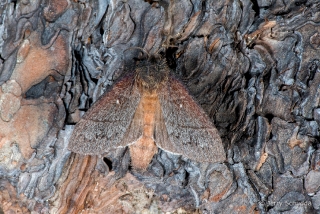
x,y
151,72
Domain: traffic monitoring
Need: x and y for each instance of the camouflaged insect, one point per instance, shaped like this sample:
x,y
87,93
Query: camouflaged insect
x,y
145,110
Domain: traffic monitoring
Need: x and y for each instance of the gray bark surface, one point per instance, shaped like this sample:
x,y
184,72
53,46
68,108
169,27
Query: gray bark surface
x,y
253,66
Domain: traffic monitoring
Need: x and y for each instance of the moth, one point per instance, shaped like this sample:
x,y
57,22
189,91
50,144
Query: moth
x,y
146,110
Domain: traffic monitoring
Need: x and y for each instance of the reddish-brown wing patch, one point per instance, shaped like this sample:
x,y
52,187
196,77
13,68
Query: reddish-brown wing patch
x,y
183,128
109,122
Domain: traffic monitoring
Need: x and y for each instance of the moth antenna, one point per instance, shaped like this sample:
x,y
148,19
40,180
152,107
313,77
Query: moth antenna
x,y
163,62
162,49
141,49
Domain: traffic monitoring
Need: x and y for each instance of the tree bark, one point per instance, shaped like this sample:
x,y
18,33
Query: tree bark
x,y
253,66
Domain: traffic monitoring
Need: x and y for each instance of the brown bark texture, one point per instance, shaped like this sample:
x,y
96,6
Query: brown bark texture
x,y
253,66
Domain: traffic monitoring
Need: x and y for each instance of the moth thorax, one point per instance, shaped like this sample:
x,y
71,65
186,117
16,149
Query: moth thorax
x,y
150,77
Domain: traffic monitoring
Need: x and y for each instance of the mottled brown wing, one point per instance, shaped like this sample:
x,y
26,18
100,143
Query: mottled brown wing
x,y
109,122
184,128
